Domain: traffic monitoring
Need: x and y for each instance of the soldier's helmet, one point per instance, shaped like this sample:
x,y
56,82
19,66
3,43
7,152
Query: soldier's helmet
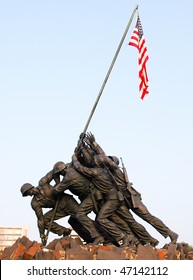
x,y
115,159
26,187
59,166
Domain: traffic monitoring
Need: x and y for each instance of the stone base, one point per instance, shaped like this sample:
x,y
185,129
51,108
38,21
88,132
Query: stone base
x,y
70,248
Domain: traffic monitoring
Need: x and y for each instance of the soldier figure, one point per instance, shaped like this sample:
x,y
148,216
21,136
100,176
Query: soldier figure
x,y
44,197
80,186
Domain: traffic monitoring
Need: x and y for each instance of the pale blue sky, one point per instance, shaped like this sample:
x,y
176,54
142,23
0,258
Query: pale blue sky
x,y
54,56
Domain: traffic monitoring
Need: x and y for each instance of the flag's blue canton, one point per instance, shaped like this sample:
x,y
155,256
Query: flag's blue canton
x,y
139,27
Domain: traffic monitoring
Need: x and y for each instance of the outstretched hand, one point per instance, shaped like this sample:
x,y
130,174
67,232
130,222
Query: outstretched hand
x,y
82,136
89,139
80,143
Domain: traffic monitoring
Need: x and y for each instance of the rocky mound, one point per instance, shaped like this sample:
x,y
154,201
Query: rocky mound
x,y
73,249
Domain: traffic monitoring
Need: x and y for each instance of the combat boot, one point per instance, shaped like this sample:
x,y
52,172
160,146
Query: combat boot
x,y
173,236
66,232
154,242
98,240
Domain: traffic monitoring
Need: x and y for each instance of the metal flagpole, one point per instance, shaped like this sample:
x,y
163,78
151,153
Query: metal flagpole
x,y
110,69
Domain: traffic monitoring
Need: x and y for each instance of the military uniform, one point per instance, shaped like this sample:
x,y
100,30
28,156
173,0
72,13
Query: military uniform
x,y
134,200
82,187
44,197
101,181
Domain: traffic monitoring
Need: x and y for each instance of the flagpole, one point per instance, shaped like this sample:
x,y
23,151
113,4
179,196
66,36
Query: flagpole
x,y
110,69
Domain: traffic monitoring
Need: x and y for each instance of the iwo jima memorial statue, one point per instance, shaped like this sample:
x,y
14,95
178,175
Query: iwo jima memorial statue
x,y
100,184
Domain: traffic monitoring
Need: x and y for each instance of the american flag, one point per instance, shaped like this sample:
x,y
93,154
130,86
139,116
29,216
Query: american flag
x,y
137,40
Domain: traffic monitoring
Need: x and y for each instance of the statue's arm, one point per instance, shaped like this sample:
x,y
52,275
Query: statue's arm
x,y
40,216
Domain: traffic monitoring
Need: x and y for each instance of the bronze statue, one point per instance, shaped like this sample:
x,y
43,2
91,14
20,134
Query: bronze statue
x,y
102,187
132,196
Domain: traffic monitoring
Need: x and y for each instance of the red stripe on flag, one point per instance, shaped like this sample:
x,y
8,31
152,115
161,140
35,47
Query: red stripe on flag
x,y
137,40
